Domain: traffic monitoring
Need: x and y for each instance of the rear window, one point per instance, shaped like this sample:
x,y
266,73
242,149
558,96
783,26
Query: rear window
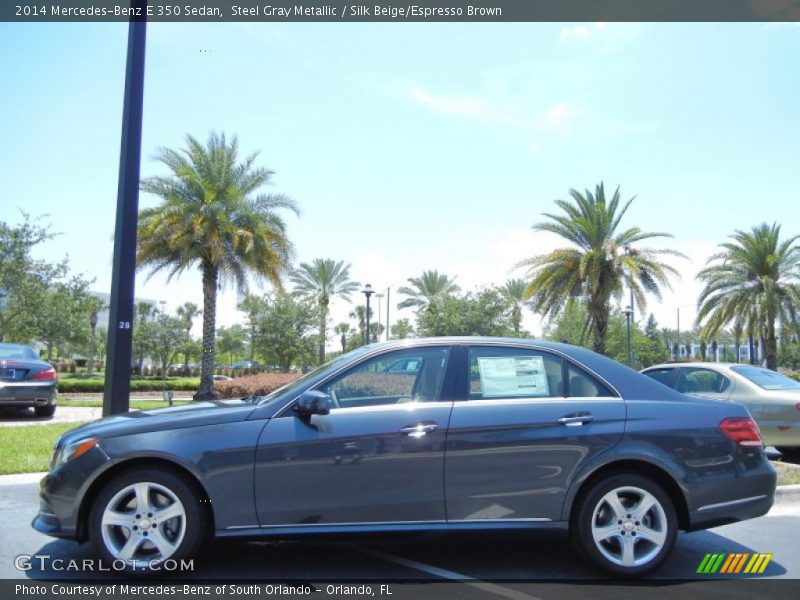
x,y
769,380
15,351
660,375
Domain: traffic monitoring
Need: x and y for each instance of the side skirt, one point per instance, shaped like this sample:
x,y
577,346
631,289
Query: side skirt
x,y
278,531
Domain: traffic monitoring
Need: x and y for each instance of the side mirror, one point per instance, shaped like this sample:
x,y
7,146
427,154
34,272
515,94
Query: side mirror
x,y
312,402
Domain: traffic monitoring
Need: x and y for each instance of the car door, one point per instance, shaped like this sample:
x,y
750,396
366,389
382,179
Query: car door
x,y
377,457
524,422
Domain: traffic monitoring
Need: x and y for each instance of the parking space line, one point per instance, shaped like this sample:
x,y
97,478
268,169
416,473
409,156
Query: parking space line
x,y
445,574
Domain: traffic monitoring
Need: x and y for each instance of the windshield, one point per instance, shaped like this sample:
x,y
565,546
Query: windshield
x,y
769,380
311,375
15,351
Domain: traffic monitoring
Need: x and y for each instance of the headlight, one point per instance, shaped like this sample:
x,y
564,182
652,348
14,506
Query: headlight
x,y
73,450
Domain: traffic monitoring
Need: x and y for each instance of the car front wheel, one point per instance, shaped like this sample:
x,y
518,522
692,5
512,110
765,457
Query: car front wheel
x,y
145,516
626,525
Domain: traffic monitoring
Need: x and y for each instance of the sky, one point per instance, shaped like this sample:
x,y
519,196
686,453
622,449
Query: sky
x,y
413,146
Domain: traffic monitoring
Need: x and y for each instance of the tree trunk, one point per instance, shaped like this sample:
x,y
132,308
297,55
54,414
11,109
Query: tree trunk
x,y
770,345
92,350
598,309
323,329
210,276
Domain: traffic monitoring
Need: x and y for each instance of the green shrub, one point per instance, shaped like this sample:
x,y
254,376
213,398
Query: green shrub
x,y
253,385
138,384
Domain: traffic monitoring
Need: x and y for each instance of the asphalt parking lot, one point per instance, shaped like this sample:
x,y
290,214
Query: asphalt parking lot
x,y
480,560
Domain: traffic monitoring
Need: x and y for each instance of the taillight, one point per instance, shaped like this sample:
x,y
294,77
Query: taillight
x,y
46,375
742,431
797,406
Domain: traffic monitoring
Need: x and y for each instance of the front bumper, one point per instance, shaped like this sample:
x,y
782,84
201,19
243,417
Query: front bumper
x,y
63,492
27,394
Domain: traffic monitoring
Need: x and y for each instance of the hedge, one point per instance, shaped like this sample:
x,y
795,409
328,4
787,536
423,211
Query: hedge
x,y
68,385
253,385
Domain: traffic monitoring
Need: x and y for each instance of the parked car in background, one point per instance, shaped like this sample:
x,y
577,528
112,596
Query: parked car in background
x,y
480,433
222,378
26,380
773,399
246,364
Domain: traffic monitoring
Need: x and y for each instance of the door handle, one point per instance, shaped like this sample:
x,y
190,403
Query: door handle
x,y
576,420
419,430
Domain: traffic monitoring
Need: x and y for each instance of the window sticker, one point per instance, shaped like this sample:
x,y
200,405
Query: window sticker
x,y
513,376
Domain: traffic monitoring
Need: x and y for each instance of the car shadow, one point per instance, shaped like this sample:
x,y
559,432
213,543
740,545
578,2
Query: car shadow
x,y
487,556
21,415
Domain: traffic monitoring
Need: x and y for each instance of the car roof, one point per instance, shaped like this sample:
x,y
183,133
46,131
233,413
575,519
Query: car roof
x,y
700,364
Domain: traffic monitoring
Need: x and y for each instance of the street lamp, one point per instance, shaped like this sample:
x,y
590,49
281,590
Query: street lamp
x,y
629,315
379,296
367,291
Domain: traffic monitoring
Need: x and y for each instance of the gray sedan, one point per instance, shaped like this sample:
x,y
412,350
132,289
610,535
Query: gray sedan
x,y
436,435
773,399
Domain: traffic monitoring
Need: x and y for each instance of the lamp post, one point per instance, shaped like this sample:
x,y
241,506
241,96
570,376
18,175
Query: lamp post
x,y
379,296
367,291
93,340
629,310
629,315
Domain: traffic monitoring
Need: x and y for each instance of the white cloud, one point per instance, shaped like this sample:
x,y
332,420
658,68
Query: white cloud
x,y
559,118
473,107
578,31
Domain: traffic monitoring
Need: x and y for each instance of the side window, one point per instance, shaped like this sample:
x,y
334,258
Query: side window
x,y
660,375
413,375
583,385
496,372
701,381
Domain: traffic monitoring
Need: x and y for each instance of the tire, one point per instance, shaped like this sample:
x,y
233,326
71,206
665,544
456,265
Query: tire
x,y
45,411
628,537
120,511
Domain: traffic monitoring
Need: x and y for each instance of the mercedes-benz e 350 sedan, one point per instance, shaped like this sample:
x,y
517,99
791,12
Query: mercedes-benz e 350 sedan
x,y
524,434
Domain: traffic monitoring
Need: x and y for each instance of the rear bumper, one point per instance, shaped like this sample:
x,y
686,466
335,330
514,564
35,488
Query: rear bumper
x,y
744,498
27,394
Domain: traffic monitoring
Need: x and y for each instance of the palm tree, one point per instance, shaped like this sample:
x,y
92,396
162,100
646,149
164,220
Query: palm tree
x,y
359,313
754,281
424,290
94,306
211,217
187,312
513,292
599,264
342,329
321,281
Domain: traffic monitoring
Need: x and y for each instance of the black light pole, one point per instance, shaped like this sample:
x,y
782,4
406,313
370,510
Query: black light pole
x,y
367,291
629,316
379,296
116,396
387,312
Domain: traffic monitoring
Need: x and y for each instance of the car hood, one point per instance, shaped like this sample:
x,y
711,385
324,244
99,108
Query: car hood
x,y
195,414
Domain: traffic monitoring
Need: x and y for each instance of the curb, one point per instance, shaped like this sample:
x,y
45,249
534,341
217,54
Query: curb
x,y
784,494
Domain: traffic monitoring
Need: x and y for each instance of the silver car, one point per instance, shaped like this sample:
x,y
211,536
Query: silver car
x,y
773,399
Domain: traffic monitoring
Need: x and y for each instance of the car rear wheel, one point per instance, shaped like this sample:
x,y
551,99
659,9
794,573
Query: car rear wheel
x,y
145,516
626,525
45,411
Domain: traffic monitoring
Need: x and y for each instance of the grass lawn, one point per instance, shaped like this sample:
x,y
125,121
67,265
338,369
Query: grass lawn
x,y
28,449
788,474
135,404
